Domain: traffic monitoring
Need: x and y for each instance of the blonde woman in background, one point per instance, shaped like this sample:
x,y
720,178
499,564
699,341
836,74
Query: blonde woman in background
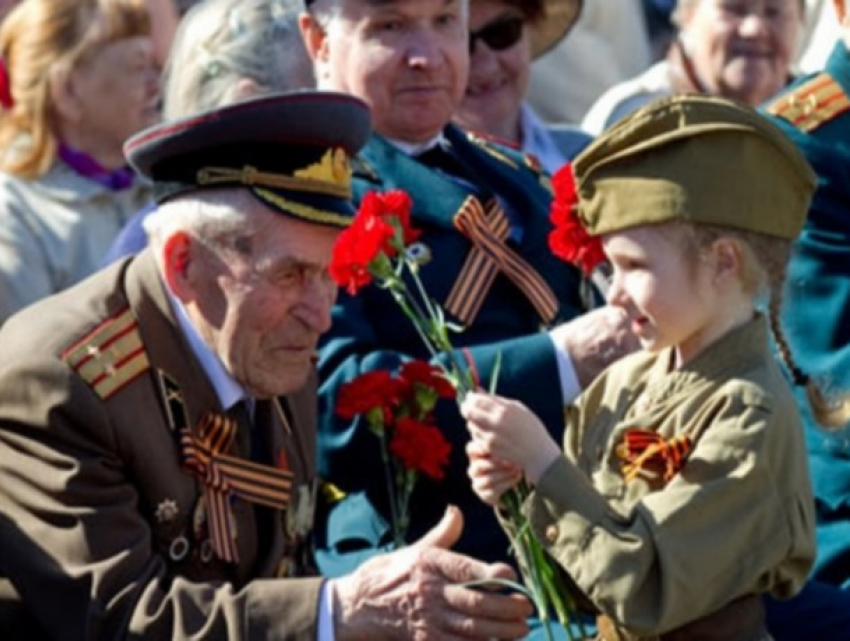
x,y
80,79
225,51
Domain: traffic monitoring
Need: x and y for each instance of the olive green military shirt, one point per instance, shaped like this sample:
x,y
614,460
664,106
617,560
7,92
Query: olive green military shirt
x,y
736,519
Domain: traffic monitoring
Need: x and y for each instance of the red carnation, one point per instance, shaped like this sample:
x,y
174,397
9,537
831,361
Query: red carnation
x,y
355,250
427,375
420,447
570,240
366,392
391,204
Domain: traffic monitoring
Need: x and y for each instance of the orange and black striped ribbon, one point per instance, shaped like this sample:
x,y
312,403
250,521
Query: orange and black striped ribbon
x,y
225,475
490,254
647,451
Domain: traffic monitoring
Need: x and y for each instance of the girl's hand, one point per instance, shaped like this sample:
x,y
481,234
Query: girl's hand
x,y
490,479
507,431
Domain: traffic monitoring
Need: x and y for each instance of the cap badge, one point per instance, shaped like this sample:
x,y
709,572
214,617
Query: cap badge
x,y
332,168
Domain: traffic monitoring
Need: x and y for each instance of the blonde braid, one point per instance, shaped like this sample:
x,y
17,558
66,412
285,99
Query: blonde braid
x,y
765,271
828,412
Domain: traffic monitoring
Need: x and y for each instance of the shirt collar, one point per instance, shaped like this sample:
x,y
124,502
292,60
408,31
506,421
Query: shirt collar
x,y
228,390
413,149
537,141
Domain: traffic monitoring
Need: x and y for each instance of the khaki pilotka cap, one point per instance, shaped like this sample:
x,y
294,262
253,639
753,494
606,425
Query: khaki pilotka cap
x,y
697,158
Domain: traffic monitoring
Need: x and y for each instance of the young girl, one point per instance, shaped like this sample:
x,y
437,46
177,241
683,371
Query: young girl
x,y
683,491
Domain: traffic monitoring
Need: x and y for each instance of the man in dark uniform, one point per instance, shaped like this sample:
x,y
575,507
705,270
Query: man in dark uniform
x,y
157,422
815,113
408,59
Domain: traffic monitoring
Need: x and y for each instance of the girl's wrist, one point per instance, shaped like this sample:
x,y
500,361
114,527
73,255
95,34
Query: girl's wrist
x,y
537,467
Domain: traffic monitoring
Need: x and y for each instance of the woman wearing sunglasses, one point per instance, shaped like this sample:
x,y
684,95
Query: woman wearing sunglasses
x,y
505,36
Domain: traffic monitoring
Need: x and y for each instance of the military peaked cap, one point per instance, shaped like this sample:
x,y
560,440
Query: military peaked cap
x,y
291,150
696,158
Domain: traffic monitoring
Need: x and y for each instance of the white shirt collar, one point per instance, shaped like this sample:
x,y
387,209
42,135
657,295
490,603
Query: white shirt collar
x,y
228,390
413,149
537,141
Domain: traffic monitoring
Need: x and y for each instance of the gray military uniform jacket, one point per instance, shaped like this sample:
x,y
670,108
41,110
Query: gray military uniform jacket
x,y
103,529
736,519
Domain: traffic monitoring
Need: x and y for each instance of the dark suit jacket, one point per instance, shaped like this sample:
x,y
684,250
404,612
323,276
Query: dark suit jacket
x,y
370,332
103,537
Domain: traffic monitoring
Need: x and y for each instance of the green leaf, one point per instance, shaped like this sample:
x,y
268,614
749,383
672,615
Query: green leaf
x,y
455,328
494,378
499,583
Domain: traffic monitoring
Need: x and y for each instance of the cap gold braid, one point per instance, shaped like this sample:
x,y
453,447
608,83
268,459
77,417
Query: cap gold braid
x,y
331,176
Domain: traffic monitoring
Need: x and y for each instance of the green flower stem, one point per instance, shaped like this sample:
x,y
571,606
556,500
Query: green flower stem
x,y
523,548
398,534
428,322
563,590
408,481
541,579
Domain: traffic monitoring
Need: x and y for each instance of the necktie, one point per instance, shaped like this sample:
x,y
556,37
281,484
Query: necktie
x,y
239,413
444,161
253,444
260,444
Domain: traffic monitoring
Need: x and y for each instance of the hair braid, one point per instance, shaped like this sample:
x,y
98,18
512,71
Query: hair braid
x,y
828,412
797,375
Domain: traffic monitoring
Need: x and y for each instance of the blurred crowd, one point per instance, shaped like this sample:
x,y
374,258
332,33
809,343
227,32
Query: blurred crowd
x,y
81,77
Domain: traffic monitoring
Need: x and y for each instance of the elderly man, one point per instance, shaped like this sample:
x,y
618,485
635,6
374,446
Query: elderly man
x,y
157,472
815,113
408,60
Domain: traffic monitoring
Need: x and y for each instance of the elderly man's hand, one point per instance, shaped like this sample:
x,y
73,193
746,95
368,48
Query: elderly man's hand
x,y
595,340
416,593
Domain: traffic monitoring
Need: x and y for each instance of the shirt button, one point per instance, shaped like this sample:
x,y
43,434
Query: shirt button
x,y
552,533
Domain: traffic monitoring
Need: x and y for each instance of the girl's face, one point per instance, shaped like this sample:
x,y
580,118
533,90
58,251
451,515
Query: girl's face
x,y
670,293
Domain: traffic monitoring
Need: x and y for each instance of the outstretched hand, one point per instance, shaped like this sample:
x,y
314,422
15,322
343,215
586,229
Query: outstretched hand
x,y
596,339
417,593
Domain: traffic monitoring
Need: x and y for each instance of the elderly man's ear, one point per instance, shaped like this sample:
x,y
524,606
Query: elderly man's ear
x,y
314,37
177,256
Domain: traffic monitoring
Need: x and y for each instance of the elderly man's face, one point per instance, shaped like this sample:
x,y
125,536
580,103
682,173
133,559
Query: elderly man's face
x,y
408,59
262,302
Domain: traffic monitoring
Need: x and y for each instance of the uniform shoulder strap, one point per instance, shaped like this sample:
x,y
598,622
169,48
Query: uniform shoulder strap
x,y
110,356
811,104
512,155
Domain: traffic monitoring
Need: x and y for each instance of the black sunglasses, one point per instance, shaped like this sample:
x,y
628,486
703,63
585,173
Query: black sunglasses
x,y
499,35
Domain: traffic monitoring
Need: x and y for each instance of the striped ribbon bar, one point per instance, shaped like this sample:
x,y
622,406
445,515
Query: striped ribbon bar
x,y
646,450
490,254
225,475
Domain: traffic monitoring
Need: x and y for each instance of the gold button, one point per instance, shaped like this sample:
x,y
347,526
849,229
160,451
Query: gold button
x,y
552,533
